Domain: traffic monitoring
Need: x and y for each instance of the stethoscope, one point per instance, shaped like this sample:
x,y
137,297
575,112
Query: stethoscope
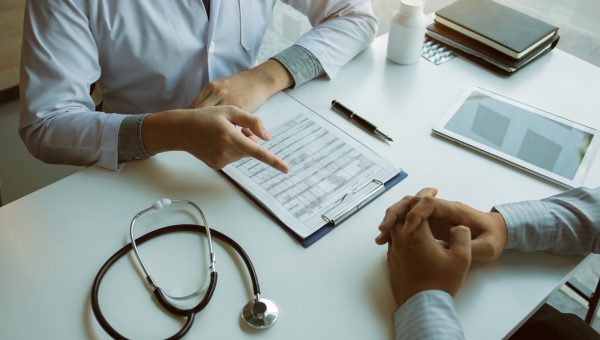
x,y
257,313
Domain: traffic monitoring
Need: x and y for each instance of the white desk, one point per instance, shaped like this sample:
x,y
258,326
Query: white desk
x,y
53,242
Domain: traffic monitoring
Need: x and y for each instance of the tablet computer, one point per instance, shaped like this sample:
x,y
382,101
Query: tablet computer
x,y
539,142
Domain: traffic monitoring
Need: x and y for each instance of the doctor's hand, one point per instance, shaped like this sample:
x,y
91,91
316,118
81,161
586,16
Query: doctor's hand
x,y
210,134
488,230
417,262
248,89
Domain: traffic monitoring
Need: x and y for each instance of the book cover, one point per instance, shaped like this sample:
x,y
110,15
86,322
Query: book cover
x,y
483,54
502,28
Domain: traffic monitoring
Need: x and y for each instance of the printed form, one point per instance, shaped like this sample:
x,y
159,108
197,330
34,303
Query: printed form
x,y
330,172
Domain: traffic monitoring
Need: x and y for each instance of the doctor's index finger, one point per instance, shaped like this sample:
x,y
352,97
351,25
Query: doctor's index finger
x,y
255,150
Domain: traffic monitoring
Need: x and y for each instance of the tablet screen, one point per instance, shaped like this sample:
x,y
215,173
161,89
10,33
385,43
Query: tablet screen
x,y
521,133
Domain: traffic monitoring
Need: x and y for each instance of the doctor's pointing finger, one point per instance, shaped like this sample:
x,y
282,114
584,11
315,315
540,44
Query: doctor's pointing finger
x,y
210,134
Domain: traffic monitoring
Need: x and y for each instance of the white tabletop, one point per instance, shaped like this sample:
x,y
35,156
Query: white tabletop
x,y
53,241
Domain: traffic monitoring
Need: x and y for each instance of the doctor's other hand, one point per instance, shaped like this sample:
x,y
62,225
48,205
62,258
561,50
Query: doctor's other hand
x,y
248,89
210,134
488,229
417,262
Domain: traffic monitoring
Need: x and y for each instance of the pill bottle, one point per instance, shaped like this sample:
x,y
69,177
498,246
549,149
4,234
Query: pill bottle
x,y
407,33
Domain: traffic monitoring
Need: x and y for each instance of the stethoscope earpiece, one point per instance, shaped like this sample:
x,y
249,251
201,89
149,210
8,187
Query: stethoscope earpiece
x,y
260,313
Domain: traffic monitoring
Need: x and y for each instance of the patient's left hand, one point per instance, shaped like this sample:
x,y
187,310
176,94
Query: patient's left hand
x,y
417,262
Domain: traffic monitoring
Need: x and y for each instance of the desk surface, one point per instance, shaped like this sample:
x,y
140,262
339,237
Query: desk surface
x,y
53,241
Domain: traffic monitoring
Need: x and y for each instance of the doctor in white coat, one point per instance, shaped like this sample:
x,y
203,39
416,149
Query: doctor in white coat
x,y
175,75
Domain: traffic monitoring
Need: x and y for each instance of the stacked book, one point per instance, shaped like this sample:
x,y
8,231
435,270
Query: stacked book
x,y
493,35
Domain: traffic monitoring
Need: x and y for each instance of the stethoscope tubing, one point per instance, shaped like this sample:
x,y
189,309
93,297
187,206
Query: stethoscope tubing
x,y
188,313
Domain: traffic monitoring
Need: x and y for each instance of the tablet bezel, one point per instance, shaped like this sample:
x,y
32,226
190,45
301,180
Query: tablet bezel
x,y
577,181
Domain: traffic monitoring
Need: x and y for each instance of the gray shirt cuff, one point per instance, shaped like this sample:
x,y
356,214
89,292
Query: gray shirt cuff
x,y
300,63
131,145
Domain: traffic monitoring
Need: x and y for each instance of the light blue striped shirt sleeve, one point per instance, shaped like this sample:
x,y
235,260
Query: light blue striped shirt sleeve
x,y
568,223
429,314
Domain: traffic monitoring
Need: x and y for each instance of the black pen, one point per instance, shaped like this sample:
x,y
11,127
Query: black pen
x,y
365,124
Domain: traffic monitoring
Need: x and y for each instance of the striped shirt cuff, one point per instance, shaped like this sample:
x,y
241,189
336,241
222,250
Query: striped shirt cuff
x,y
567,223
131,145
523,220
428,314
302,65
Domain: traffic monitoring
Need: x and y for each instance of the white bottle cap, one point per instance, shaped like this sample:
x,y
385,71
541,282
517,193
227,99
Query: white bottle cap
x,y
410,7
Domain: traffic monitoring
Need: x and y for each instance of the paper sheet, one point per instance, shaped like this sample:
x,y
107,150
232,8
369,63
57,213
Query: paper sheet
x,y
328,168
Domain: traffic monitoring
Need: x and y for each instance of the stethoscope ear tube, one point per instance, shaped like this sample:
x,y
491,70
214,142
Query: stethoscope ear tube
x,y
162,299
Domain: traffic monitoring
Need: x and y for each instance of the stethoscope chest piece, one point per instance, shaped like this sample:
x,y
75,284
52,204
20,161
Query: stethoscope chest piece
x,y
260,313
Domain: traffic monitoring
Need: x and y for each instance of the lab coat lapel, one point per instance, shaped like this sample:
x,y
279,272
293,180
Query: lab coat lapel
x,y
215,5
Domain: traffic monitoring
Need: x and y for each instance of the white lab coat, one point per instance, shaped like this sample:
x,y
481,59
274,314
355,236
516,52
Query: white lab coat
x,y
150,56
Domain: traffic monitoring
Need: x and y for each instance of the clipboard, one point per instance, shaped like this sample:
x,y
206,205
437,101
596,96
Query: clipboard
x,y
334,222
332,175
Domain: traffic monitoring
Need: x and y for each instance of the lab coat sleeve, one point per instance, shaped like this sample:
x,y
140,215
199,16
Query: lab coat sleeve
x,y
341,29
59,62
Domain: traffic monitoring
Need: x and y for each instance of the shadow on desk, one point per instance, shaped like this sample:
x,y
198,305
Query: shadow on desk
x,y
526,270
380,294
156,176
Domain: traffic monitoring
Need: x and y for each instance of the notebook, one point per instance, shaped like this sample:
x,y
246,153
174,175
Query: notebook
x,y
483,54
332,175
504,29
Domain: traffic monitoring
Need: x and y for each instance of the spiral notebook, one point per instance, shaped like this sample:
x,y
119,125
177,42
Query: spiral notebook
x,y
332,175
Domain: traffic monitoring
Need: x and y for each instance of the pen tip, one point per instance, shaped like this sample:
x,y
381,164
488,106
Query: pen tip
x,y
390,139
